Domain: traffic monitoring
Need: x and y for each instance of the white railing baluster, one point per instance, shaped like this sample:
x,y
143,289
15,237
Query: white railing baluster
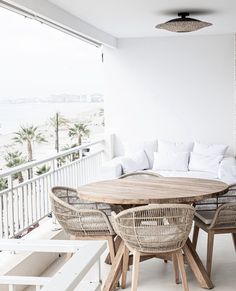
x,y
25,208
42,189
10,205
76,177
37,198
16,211
29,191
21,207
5,216
34,200
10,214
46,191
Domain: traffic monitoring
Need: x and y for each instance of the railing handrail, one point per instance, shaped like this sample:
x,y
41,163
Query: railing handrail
x,y
32,164
48,173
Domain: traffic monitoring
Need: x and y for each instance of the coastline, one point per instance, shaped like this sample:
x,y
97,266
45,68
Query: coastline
x,y
73,113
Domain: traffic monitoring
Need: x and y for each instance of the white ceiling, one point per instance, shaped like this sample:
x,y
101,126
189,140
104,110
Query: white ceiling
x,y
137,18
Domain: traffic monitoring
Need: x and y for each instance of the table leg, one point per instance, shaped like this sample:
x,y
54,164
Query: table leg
x,y
117,244
197,266
115,272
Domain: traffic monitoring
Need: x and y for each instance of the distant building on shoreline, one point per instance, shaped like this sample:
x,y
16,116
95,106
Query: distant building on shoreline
x,y
58,98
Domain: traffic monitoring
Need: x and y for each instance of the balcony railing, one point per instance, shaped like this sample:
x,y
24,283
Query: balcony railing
x,y
23,205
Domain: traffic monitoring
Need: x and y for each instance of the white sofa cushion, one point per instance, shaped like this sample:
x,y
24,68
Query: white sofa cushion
x,y
205,163
171,161
227,170
111,169
209,149
135,162
169,146
148,146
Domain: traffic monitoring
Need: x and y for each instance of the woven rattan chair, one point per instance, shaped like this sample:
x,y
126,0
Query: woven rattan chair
x,y
154,229
82,219
143,174
216,216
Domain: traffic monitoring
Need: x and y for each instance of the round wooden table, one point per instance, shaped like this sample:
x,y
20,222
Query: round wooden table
x,y
152,190
140,190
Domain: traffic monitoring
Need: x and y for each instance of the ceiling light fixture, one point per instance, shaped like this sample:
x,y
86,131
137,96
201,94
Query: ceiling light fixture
x,y
183,24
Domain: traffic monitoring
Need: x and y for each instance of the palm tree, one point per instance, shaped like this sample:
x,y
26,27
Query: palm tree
x,y
71,157
42,170
29,135
3,184
14,159
78,131
56,122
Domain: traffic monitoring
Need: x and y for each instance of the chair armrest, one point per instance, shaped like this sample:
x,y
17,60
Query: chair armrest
x,y
111,169
227,170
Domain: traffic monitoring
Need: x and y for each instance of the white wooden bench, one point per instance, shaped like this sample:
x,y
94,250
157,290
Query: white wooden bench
x,y
86,255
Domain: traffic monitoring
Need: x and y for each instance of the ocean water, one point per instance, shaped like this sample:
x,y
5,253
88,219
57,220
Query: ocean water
x,y
14,115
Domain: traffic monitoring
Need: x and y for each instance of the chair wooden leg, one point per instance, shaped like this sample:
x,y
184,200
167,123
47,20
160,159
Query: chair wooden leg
x,y
180,259
112,252
135,272
234,240
176,268
111,246
195,236
125,267
210,242
117,241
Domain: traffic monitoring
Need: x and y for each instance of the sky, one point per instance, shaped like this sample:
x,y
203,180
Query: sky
x,y
37,61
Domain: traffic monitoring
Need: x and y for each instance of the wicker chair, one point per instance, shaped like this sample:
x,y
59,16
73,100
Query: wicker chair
x,y
82,219
216,216
143,174
154,229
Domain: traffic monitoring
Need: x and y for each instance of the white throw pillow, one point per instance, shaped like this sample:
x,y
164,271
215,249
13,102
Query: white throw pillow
x,y
205,163
171,161
168,146
135,162
209,149
149,147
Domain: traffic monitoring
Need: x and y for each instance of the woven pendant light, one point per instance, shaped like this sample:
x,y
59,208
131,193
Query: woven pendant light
x,y
183,24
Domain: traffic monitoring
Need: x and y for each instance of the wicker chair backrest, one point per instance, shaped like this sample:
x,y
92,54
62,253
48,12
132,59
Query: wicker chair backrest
x,y
79,217
155,228
143,174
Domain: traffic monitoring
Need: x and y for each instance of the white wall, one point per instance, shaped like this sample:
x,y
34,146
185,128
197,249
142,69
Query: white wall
x,y
173,88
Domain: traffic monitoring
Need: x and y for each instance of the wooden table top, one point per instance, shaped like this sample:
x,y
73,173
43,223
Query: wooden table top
x,y
152,190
